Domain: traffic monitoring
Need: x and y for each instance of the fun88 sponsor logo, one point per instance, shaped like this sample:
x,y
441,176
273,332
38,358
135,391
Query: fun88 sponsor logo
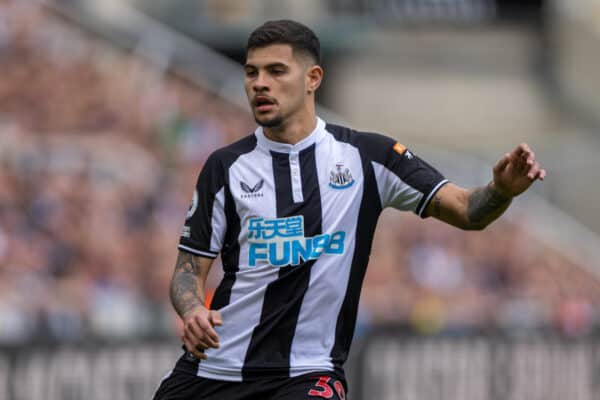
x,y
281,242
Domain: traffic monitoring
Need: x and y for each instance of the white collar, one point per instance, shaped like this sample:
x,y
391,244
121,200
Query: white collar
x,y
316,135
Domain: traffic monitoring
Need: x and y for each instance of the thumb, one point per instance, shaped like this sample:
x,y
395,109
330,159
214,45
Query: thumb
x,y
215,318
502,163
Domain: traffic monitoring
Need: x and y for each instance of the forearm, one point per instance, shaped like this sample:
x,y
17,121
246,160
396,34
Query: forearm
x,y
187,284
484,205
476,208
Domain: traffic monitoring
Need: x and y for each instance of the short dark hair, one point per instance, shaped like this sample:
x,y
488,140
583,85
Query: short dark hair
x,y
285,31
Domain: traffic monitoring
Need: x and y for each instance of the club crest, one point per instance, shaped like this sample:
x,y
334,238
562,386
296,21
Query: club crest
x,y
193,206
340,178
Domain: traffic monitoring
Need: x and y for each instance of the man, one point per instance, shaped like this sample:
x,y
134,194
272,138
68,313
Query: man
x,y
292,210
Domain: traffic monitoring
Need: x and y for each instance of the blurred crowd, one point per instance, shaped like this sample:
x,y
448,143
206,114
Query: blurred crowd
x,y
434,279
99,153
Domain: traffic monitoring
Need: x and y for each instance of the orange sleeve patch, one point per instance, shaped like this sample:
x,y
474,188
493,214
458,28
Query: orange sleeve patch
x,y
399,148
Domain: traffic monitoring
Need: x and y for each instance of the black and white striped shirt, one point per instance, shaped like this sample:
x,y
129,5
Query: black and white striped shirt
x,y
294,226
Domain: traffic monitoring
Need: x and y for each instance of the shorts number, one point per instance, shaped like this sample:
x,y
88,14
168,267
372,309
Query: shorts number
x,y
324,389
339,388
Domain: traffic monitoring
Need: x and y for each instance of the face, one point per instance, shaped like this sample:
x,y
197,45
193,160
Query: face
x,y
277,83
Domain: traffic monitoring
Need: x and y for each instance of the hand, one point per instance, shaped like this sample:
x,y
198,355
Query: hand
x,y
516,171
198,331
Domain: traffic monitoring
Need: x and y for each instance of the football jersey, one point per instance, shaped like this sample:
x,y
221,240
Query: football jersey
x,y
294,226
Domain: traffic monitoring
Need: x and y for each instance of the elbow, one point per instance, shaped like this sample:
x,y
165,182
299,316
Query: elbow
x,y
474,226
465,224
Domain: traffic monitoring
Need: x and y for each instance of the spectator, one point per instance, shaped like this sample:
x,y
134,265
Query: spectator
x,y
90,204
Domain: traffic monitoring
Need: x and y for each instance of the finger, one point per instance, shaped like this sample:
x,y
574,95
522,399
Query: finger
x,y
191,348
525,162
529,158
209,333
215,318
522,148
202,345
194,339
193,329
534,171
522,157
522,168
210,342
199,335
540,174
523,154
500,165
199,344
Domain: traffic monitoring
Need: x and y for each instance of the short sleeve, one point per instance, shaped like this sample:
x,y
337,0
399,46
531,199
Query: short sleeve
x,y
405,181
205,222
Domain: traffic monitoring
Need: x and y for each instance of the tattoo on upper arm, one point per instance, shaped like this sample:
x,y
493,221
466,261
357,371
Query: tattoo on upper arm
x,y
184,285
486,204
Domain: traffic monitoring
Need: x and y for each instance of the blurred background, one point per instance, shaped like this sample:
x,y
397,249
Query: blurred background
x,y
109,108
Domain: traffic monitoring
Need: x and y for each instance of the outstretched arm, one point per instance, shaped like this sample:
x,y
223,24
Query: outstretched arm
x,y
187,296
474,209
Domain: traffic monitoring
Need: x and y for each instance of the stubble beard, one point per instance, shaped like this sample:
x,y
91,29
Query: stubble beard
x,y
273,122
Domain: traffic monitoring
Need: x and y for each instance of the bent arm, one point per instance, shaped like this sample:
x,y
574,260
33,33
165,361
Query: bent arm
x,y
187,283
468,209
476,208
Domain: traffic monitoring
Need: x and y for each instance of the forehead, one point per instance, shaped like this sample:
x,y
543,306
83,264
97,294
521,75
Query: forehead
x,y
274,53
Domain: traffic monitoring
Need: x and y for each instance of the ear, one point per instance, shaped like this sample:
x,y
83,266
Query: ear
x,y
314,76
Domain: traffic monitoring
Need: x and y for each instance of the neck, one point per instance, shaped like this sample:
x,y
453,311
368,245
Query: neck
x,y
293,130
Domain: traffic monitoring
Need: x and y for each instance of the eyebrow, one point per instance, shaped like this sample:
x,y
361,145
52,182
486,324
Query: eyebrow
x,y
270,65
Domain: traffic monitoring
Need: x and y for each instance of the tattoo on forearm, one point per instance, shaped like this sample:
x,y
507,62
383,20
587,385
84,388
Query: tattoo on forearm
x,y
184,285
486,204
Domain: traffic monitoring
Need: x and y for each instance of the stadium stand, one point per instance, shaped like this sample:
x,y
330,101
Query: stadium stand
x,y
99,149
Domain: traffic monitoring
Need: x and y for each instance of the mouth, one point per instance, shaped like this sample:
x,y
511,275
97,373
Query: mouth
x,y
263,103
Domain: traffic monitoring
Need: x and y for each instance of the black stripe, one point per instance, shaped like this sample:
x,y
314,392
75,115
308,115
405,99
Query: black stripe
x,y
370,209
427,197
413,171
209,182
416,173
270,346
230,253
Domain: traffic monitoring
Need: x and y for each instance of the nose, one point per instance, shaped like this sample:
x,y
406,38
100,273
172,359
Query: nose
x,y
260,84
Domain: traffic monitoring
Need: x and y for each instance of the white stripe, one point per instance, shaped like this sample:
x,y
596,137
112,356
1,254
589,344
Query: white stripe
x,y
218,222
197,252
314,336
243,312
296,177
435,189
393,191
241,316
218,373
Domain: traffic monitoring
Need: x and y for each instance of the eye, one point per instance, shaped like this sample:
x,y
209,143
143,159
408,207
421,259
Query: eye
x,y
277,71
251,73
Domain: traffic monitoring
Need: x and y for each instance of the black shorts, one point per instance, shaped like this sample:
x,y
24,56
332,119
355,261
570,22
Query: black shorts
x,y
181,384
